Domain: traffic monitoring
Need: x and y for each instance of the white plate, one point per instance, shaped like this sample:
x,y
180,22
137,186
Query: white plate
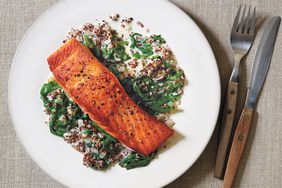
x,y
194,125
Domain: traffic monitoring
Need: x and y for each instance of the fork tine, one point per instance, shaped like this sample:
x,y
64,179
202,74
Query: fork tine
x,y
248,22
253,22
235,23
242,21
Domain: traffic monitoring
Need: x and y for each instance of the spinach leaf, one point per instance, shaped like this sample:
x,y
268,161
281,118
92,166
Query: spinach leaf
x,y
88,41
141,43
116,54
123,43
135,160
56,103
105,53
159,96
46,89
91,44
134,39
159,39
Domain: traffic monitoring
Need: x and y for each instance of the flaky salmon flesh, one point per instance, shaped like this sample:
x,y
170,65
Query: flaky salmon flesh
x,y
99,94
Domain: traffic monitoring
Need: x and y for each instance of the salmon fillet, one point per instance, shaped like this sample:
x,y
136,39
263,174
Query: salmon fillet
x,y
99,94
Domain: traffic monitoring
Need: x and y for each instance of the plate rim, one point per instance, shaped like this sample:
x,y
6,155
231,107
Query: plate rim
x,y
204,40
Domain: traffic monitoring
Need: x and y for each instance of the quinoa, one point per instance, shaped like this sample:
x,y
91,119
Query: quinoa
x,y
114,17
88,140
131,57
140,24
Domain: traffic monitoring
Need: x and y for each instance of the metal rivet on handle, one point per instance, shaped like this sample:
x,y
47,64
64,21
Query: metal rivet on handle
x,y
240,137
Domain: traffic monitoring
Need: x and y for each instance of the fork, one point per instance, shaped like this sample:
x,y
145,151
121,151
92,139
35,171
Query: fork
x,y
242,37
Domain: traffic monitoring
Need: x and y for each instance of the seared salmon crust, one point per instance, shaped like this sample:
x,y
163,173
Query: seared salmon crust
x,y
98,93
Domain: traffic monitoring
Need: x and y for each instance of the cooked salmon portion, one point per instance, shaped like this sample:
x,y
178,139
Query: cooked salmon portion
x,y
99,94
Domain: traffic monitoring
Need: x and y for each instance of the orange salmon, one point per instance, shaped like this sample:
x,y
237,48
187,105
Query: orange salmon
x,y
98,93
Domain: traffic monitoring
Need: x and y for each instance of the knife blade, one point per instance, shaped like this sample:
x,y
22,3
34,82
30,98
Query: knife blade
x,y
262,60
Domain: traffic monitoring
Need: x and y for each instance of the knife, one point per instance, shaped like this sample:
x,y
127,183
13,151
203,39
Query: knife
x,y
258,75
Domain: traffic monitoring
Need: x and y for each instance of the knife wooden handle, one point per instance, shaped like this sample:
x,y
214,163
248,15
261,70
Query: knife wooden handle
x,y
226,128
237,147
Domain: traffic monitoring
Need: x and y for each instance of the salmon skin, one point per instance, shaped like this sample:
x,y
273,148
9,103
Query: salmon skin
x,y
99,94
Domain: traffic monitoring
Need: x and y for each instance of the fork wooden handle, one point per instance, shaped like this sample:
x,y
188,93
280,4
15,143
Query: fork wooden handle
x,y
226,128
237,147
